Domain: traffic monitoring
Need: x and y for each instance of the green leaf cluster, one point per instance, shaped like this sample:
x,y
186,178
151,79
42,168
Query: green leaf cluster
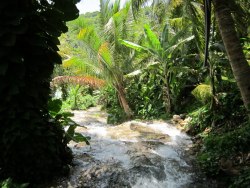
x,y
32,148
64,119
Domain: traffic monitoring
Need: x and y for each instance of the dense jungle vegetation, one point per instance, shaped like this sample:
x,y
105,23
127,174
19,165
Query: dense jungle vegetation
x,y
139,61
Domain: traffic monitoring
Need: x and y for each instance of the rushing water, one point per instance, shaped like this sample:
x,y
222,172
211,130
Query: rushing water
x,y
134,154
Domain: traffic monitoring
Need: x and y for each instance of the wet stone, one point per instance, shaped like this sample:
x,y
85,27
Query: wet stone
x,y
104,175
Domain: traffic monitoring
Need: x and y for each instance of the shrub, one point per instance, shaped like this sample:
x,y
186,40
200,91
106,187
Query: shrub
x,y
202,93
80,98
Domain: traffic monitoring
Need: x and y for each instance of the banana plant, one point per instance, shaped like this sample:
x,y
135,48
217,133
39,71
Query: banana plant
x,y
162,49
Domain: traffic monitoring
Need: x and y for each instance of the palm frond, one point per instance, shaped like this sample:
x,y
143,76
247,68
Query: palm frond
x,y
104,11
115,6
175,3
82,65
117,26
105,55
172,48
78,80
136,5
194,13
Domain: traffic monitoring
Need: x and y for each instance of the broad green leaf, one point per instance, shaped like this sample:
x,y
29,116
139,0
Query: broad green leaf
x,y
149,107
133,45
54,106
152,38
78,137
71,131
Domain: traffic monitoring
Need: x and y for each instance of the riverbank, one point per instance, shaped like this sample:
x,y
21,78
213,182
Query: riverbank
x,y
222,152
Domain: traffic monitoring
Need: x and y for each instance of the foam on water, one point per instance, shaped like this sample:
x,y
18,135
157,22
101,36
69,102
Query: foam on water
x,y
131,155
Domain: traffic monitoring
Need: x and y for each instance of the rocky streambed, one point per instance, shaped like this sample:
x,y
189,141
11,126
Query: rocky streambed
x,y
148,154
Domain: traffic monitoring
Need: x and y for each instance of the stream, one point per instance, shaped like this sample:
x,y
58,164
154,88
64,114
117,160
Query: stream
x,y
138,154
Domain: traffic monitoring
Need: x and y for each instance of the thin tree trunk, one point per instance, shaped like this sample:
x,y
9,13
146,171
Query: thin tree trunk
x,y
166,91
75,105
240,67
167,99
123,101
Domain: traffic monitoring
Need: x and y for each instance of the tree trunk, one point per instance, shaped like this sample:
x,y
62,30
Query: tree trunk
x,y
123,101
75,104
166,91
239,64
167,98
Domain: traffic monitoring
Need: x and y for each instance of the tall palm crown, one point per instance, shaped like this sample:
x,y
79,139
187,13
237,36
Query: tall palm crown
x,y
103,56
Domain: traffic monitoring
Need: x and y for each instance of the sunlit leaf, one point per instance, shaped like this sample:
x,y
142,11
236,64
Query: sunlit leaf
x,y
104,52
133,45
152,38
83,33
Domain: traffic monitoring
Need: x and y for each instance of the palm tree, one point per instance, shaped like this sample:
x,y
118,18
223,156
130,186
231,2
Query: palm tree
x,y
238,62
109,59
190,13
239,65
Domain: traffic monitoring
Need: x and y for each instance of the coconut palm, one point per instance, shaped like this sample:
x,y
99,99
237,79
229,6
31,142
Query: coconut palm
x,y
240,67
238,62
108,59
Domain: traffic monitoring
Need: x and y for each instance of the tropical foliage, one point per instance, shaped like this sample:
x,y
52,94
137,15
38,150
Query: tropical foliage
x,y
163,50
162,60
144,59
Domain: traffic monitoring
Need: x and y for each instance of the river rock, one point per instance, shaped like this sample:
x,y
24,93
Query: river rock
x,y
176,118
145,163
104,175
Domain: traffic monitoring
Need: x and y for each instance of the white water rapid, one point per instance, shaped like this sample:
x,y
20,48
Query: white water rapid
x,y
149,154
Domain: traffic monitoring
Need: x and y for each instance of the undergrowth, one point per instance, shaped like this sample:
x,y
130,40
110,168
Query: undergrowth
x,y
223,142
